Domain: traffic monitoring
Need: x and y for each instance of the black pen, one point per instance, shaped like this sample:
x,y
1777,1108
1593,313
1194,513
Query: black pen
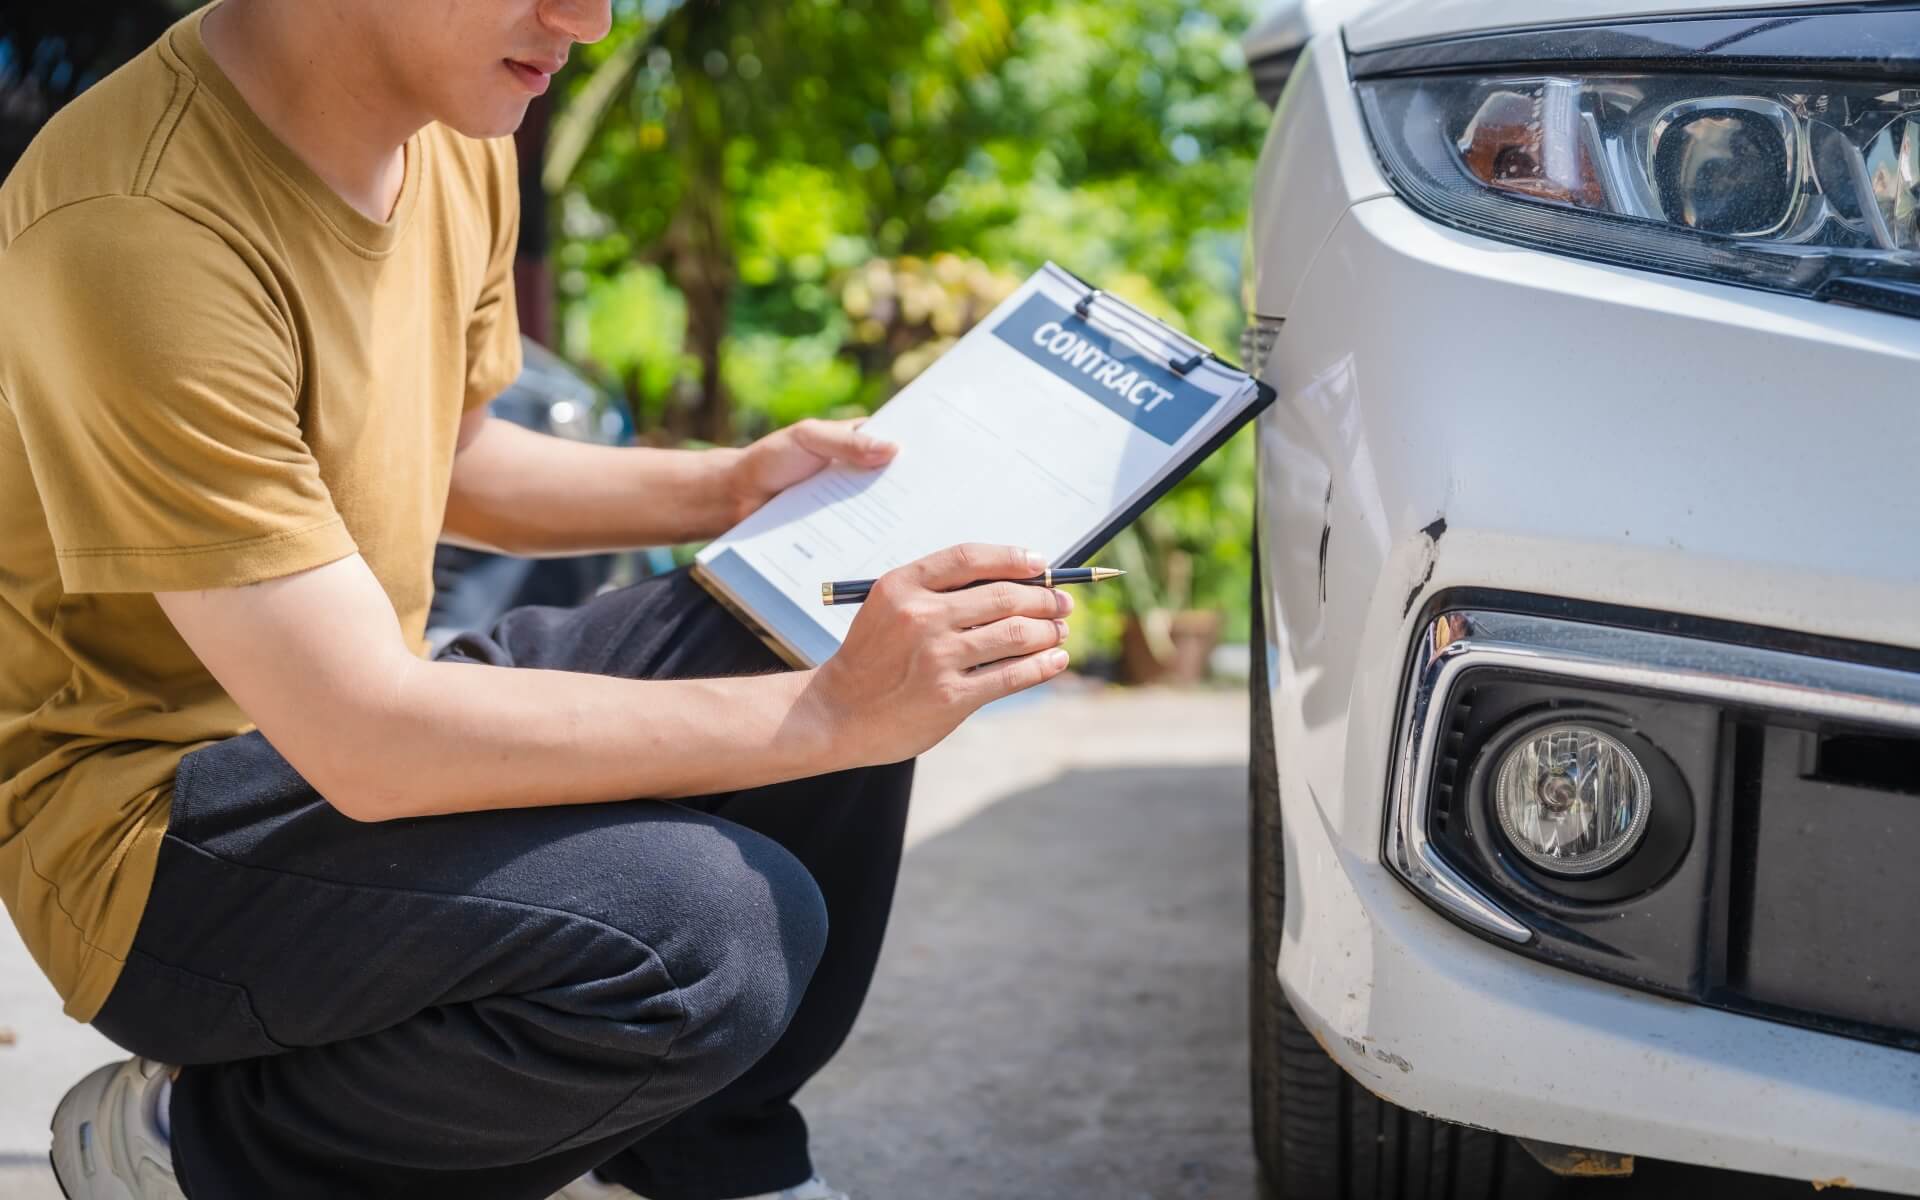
x,y
853,591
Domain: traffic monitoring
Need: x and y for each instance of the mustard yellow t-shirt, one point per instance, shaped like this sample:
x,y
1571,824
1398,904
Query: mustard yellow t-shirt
x,y
213,371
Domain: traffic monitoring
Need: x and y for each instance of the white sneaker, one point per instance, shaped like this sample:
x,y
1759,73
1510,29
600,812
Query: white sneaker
x,y
107,1143
592,1187
813,1189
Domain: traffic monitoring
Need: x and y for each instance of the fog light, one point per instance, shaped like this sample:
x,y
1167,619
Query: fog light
x,y
1572,799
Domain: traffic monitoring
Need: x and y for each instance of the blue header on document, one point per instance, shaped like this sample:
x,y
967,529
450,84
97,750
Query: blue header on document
x,y
1138,387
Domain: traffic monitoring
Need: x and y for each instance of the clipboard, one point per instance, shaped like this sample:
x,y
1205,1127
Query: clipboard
x,y
1008,443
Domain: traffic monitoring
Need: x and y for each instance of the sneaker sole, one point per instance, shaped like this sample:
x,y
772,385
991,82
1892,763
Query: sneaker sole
x,y
72,1129
56,1176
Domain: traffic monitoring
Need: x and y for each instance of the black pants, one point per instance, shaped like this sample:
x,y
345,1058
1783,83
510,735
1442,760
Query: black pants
x,y
489,1004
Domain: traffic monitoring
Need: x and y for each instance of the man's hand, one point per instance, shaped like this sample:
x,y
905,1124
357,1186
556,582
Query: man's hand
x,y
922,656
783,458
520,492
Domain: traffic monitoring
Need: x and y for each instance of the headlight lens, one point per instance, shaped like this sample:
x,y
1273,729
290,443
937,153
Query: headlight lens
x,y
1812,189
1571,799
573,420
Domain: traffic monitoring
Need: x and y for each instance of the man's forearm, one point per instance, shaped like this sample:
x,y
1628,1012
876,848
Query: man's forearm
x,y
521,492
460,737
318,660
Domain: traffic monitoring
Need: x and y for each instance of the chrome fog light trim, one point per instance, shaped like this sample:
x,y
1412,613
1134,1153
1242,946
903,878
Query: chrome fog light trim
x,y
1456,642
1441,656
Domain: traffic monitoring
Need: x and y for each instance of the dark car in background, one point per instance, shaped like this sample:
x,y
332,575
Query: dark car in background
x,y
472,588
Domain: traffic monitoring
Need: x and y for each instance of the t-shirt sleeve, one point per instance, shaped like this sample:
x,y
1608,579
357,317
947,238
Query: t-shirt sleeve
x,y
155,385
493,332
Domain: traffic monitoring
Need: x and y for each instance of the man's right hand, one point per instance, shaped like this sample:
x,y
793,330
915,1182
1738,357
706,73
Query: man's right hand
x,y
926,650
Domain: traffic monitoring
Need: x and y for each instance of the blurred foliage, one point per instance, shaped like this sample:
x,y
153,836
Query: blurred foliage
x,y
771,211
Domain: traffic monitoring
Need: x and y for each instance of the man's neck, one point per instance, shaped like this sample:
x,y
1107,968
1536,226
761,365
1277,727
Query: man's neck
x,y
340,114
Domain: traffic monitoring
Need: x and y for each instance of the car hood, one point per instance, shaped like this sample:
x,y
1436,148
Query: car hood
x,y
1396,21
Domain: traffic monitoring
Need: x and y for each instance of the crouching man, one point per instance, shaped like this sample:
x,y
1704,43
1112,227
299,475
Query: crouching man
x,y
580,902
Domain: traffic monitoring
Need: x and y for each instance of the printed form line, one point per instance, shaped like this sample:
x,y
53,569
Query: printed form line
x,y
1038,466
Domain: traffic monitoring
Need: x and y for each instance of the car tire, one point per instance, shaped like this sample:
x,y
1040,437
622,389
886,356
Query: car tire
x,y
1319,1135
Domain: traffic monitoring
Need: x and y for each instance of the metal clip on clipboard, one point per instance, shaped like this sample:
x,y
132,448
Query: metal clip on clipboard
x,y
1083,308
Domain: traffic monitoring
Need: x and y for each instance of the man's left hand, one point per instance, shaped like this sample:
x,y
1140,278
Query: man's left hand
x,y
785,457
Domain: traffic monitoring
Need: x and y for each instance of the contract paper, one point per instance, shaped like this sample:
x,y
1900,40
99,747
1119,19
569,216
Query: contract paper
x,y
1039,428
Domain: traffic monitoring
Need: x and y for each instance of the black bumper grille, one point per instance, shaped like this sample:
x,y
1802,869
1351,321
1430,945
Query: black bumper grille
x,y
1824,895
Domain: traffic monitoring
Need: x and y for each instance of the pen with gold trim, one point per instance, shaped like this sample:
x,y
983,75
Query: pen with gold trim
x,y
853,591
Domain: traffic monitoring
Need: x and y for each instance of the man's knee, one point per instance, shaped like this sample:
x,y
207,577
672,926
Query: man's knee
x,y
752,928
734,926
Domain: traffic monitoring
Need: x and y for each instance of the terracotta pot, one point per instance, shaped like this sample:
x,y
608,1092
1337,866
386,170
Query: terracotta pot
x,y
1190,638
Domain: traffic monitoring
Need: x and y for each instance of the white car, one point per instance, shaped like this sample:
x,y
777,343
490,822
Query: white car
x,y
1586,780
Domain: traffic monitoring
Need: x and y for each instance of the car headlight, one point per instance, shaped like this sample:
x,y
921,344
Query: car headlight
x,y
573,419
1807,188
552,396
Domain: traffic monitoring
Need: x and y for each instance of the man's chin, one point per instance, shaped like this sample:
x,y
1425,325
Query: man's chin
x,y
498,121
